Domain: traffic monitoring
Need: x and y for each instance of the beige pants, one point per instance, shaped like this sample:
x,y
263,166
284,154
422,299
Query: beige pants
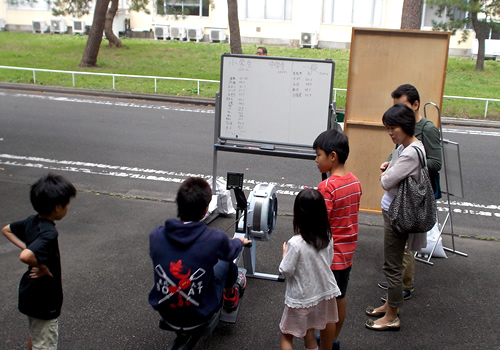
x,y
44,333
408,270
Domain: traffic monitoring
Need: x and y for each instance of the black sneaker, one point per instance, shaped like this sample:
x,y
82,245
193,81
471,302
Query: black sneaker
x,y
406,296
231,303
384,285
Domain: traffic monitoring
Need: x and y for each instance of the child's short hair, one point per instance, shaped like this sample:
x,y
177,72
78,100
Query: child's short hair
x,y
400,115
49,191
193,198
333,141
310,218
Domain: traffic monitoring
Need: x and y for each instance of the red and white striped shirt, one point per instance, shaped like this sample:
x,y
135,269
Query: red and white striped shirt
x,y
342,195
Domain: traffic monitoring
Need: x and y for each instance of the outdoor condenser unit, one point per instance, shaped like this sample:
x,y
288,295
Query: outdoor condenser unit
x,y
78,26
177,33
58,25
308,39
162,32
195,34
39,26
217,35
2,24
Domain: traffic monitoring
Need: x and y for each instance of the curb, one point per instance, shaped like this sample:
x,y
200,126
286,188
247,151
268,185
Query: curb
x,y
108,93
193,100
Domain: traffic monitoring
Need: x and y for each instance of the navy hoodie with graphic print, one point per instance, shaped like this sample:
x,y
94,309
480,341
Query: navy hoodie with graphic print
x,y
183,256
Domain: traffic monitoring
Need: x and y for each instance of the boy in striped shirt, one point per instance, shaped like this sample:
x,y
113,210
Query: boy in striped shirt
x,y
342,193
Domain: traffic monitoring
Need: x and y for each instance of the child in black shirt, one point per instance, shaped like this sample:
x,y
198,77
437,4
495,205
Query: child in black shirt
x,y
40,289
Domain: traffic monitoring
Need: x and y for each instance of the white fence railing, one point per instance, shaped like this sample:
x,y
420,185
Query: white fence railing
x,y
34,70
73,73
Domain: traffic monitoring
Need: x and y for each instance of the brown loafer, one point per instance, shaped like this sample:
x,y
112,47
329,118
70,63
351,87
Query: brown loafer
x,y
391,326
370,311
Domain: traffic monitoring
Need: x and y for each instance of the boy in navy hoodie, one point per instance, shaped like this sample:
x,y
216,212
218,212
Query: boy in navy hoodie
x,y
193,264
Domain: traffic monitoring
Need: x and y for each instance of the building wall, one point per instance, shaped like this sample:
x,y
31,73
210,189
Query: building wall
x,y
306,17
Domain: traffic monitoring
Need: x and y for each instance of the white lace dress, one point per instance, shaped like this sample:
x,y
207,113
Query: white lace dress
x,y
311,288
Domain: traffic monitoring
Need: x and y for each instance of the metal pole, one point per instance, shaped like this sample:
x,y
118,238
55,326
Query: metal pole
x,y
216,139
486,109
73,77
34,77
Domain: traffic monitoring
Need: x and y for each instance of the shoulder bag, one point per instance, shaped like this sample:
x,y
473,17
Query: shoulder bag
x,y
413,210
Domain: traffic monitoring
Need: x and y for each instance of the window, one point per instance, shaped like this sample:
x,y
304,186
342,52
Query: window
x,y
183,7
495,34
40,5
430,15
277,10
365,13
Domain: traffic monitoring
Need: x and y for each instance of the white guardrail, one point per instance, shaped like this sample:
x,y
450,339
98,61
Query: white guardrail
x,y
34,70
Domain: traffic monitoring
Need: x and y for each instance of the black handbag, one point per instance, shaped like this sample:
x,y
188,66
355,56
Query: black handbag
x,y
413,210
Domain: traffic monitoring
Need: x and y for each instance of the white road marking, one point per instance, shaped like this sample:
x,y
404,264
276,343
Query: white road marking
x,y
459,207
113,102
172,107
471,132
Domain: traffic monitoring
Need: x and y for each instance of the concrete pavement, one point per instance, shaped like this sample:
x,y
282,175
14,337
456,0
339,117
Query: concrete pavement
x,y
107,274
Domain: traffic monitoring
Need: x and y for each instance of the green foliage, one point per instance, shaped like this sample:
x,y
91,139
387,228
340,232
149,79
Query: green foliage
x,y
76,8
458,15
202,61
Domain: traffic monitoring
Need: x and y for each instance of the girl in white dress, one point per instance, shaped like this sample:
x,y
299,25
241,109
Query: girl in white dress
x,y
311,290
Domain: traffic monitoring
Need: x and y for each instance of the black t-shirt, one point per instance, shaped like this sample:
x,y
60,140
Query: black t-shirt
x,y
40,297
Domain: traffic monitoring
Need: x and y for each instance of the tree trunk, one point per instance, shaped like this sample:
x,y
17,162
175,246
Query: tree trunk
x,y
89,58
108,27
481,31
412,14
234,27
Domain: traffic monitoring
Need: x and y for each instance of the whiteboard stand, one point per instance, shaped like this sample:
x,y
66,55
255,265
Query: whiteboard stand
x,y
453,186
272,106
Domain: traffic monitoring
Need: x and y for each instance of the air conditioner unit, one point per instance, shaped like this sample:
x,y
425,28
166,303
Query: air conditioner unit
x,y
217,35
58,25
39,26
195,34
177,33
308,39
2,24
162,32
78,26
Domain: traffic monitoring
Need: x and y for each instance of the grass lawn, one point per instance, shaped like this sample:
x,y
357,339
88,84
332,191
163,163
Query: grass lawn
x,y
202,61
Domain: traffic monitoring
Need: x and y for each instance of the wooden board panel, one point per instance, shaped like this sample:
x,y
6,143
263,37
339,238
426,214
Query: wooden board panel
x,y
380,61
365,140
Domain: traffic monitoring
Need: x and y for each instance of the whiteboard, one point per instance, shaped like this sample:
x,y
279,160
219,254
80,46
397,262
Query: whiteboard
x,y
274,100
